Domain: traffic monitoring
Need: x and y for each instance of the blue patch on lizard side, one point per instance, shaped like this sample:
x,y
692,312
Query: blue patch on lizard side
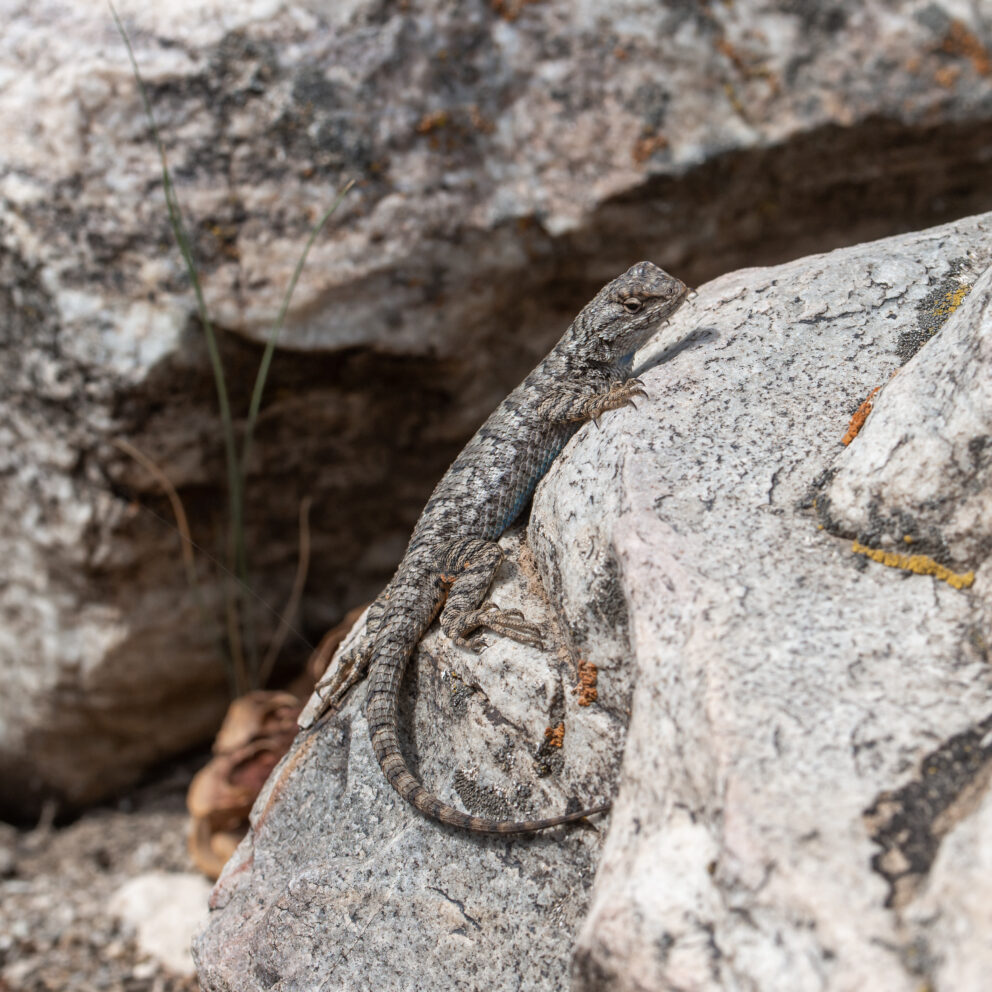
x,y
521,500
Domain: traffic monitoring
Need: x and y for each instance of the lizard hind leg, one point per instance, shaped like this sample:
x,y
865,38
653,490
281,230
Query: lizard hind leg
x,y
470,566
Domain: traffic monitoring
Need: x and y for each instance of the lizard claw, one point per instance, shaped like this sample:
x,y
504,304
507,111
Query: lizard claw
x,y
477,644
338,682
620,394
509,623
517,628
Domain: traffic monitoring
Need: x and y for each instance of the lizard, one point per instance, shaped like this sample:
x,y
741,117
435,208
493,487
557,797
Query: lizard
x,y
452,556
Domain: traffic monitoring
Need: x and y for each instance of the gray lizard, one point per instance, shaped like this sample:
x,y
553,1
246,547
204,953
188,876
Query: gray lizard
x,y
453,556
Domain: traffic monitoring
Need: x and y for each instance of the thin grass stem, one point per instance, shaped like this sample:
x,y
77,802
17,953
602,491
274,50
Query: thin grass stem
x,y
241,552
235,499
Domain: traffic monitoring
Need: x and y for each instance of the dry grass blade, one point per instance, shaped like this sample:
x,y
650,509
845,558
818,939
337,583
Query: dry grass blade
x,y
234,479
178,511
182,525
299,581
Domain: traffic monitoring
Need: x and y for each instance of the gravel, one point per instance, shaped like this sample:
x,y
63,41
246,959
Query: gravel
x,y
57,933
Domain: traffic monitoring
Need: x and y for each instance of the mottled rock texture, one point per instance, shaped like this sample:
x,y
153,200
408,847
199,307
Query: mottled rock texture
x,y
803,734
919,479
342,884
511,157
807,724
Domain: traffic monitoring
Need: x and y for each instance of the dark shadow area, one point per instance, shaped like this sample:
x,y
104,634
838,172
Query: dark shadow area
x,y
827,189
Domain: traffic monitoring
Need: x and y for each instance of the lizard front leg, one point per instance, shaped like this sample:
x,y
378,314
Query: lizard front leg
x,y
571,405
350,666
469,566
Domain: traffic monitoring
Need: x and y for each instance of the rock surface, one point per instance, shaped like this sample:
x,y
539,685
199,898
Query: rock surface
x,y
804,774
806,725
379,897
511,158
920,477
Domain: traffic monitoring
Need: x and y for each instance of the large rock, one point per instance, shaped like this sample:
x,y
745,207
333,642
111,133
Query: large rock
x,y
807,725
804,776
379,897
510,156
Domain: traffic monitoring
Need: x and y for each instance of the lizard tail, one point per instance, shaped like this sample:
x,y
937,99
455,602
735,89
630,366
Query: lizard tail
x,y
381,711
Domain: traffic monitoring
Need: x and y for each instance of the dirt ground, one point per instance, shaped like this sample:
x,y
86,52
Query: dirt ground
x,y
56,933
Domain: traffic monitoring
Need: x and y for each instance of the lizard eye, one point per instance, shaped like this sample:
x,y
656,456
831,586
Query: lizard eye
x,y
632,304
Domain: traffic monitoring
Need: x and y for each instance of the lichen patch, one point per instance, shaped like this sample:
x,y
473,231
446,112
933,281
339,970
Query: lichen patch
x,y
920,564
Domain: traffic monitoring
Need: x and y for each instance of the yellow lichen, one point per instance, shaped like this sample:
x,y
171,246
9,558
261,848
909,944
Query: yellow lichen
x,y
920,564
952,300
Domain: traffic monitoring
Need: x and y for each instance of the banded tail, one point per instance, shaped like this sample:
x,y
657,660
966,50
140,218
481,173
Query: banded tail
x,y
394,647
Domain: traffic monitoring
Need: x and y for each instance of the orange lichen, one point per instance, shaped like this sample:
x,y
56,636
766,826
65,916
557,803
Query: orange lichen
x,y
509,10
748,65
920,564
739,62
432,121
859,418
478,121
947,76
645,147
555,735
588,677
961,40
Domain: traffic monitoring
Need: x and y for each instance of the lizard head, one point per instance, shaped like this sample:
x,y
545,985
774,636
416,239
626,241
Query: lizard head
x,y
624,314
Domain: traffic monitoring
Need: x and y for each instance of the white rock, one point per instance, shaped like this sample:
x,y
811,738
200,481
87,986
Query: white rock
x,y
165,909
919,477
952,918
782,683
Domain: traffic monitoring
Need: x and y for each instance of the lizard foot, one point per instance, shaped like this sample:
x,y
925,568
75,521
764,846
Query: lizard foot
x,y
510,623
351,668
620,394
